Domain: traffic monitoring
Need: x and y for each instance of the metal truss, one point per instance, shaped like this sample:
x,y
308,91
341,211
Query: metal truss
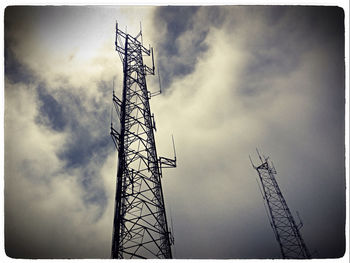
x,y
286,230
140,228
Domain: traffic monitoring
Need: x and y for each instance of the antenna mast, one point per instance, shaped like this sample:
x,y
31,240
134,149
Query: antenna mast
x,y
286,230
140,228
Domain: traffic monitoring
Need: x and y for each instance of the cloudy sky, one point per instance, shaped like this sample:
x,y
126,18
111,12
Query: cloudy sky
x,y
233,78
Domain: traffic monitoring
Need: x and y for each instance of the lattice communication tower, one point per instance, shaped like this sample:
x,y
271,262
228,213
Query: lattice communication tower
x,y
286,230
140,228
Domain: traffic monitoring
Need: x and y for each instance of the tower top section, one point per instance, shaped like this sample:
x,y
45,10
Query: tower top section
x,y
124,41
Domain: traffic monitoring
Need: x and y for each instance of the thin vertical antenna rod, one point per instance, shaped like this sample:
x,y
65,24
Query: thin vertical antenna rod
x,y
140,226
141,34
112,107
160,84
172,137
111,116
286,231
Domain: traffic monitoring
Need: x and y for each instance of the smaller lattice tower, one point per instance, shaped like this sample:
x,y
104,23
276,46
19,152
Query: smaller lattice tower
x,y
285,228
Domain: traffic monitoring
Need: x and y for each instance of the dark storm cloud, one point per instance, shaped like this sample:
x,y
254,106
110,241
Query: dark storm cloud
x,y
51,111
176,21
82,145
14,70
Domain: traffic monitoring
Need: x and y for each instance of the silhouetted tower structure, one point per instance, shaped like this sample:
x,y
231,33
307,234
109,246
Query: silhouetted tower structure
x,y
286,230
140,228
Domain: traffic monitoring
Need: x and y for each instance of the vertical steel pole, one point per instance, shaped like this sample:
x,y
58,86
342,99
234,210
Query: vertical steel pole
x,y
121,162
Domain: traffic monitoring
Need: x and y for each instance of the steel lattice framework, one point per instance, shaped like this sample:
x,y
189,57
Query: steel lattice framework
x,y
286,230
140,228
